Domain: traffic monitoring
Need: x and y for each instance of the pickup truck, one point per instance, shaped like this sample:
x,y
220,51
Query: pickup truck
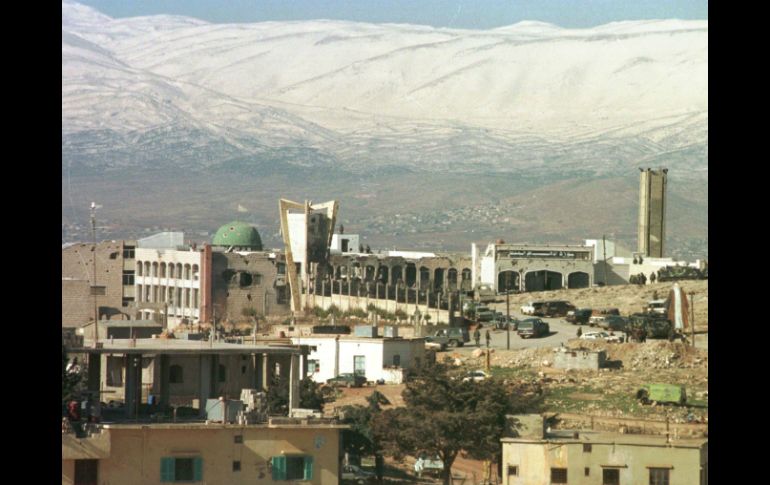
x,y
449,337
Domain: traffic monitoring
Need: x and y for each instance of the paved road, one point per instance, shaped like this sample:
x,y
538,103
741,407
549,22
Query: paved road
x,y
561,331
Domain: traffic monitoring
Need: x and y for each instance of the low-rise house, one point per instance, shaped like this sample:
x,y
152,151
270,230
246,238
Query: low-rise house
x,y
280,451
377,358
536,455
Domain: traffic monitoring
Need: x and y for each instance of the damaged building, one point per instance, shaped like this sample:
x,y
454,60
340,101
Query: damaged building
x,y
113,288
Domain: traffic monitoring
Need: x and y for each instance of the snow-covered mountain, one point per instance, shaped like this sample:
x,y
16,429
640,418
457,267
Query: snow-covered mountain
x,y
358,95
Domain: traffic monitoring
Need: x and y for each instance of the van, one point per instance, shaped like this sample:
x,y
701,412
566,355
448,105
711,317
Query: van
x,y
533,327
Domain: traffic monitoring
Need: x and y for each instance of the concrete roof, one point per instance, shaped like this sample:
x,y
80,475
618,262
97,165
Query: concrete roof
x,y
348,337
602,437
125,323
215,426
150,346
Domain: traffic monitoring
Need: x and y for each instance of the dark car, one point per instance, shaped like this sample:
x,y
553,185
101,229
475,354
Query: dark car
x,y
352,474
579,317
347,380
504,323
556,308
614,323
533,327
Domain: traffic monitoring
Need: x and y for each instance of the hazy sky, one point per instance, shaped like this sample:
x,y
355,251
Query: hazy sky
x,y
471,14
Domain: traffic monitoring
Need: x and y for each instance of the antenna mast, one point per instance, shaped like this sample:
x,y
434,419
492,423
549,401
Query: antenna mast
x,y
93,285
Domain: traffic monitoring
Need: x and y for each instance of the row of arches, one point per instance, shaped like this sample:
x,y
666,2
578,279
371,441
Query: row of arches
x,y
409,274
170,270
541,280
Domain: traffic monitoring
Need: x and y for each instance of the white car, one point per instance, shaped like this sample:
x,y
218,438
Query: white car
x,y
600,336
476,376
529,308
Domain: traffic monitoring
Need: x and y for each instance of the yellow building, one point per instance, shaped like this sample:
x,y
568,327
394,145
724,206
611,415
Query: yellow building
x,y
601,458
284,450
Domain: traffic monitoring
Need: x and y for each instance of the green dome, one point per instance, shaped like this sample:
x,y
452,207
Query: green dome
x,y
238,234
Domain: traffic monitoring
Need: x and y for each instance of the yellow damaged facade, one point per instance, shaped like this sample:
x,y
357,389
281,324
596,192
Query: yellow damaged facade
x,y
206,454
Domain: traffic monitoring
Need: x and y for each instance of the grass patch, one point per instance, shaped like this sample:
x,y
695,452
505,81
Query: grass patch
x,y
513,372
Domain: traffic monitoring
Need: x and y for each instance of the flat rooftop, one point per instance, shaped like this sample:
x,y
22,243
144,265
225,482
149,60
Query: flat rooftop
x,y
149,346
281,423
604,437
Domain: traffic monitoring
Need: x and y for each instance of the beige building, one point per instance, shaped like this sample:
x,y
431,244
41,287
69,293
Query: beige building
x,y
591,457
114,281
280,452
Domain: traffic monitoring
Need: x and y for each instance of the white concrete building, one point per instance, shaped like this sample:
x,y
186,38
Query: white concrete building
x,y
168,279
376,358
344,243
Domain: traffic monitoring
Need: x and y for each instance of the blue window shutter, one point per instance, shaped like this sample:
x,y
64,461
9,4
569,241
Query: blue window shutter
x,y
198,469
279,468
308,468
166,469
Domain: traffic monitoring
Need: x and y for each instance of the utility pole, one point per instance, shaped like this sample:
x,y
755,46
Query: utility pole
x,y
604,249
508,309
692,317
93,285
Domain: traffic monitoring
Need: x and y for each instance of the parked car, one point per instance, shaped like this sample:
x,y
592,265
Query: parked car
x,y
614,323
353,474
657,306
531,307
485,314
485,294
600,336
476,376
431,466
555,308
347,380
504,323
533,327
606,311
579,317
449,337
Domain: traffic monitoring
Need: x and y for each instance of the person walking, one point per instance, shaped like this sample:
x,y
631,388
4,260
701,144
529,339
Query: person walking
x,y
477,336
488,337
579,332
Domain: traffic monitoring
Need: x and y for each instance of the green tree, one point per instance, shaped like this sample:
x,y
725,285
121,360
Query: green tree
x,y
445,416
310,395
359,439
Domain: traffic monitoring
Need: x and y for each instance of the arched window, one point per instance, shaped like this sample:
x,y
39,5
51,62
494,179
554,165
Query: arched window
x,y
162,270
175,374
179,271
187,271
147,268
171,270
139,267
195,272
155,270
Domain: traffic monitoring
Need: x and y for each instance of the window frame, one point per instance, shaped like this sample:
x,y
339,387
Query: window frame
x,y
657,480
279,471
168,469
604,476
558,470
515,470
